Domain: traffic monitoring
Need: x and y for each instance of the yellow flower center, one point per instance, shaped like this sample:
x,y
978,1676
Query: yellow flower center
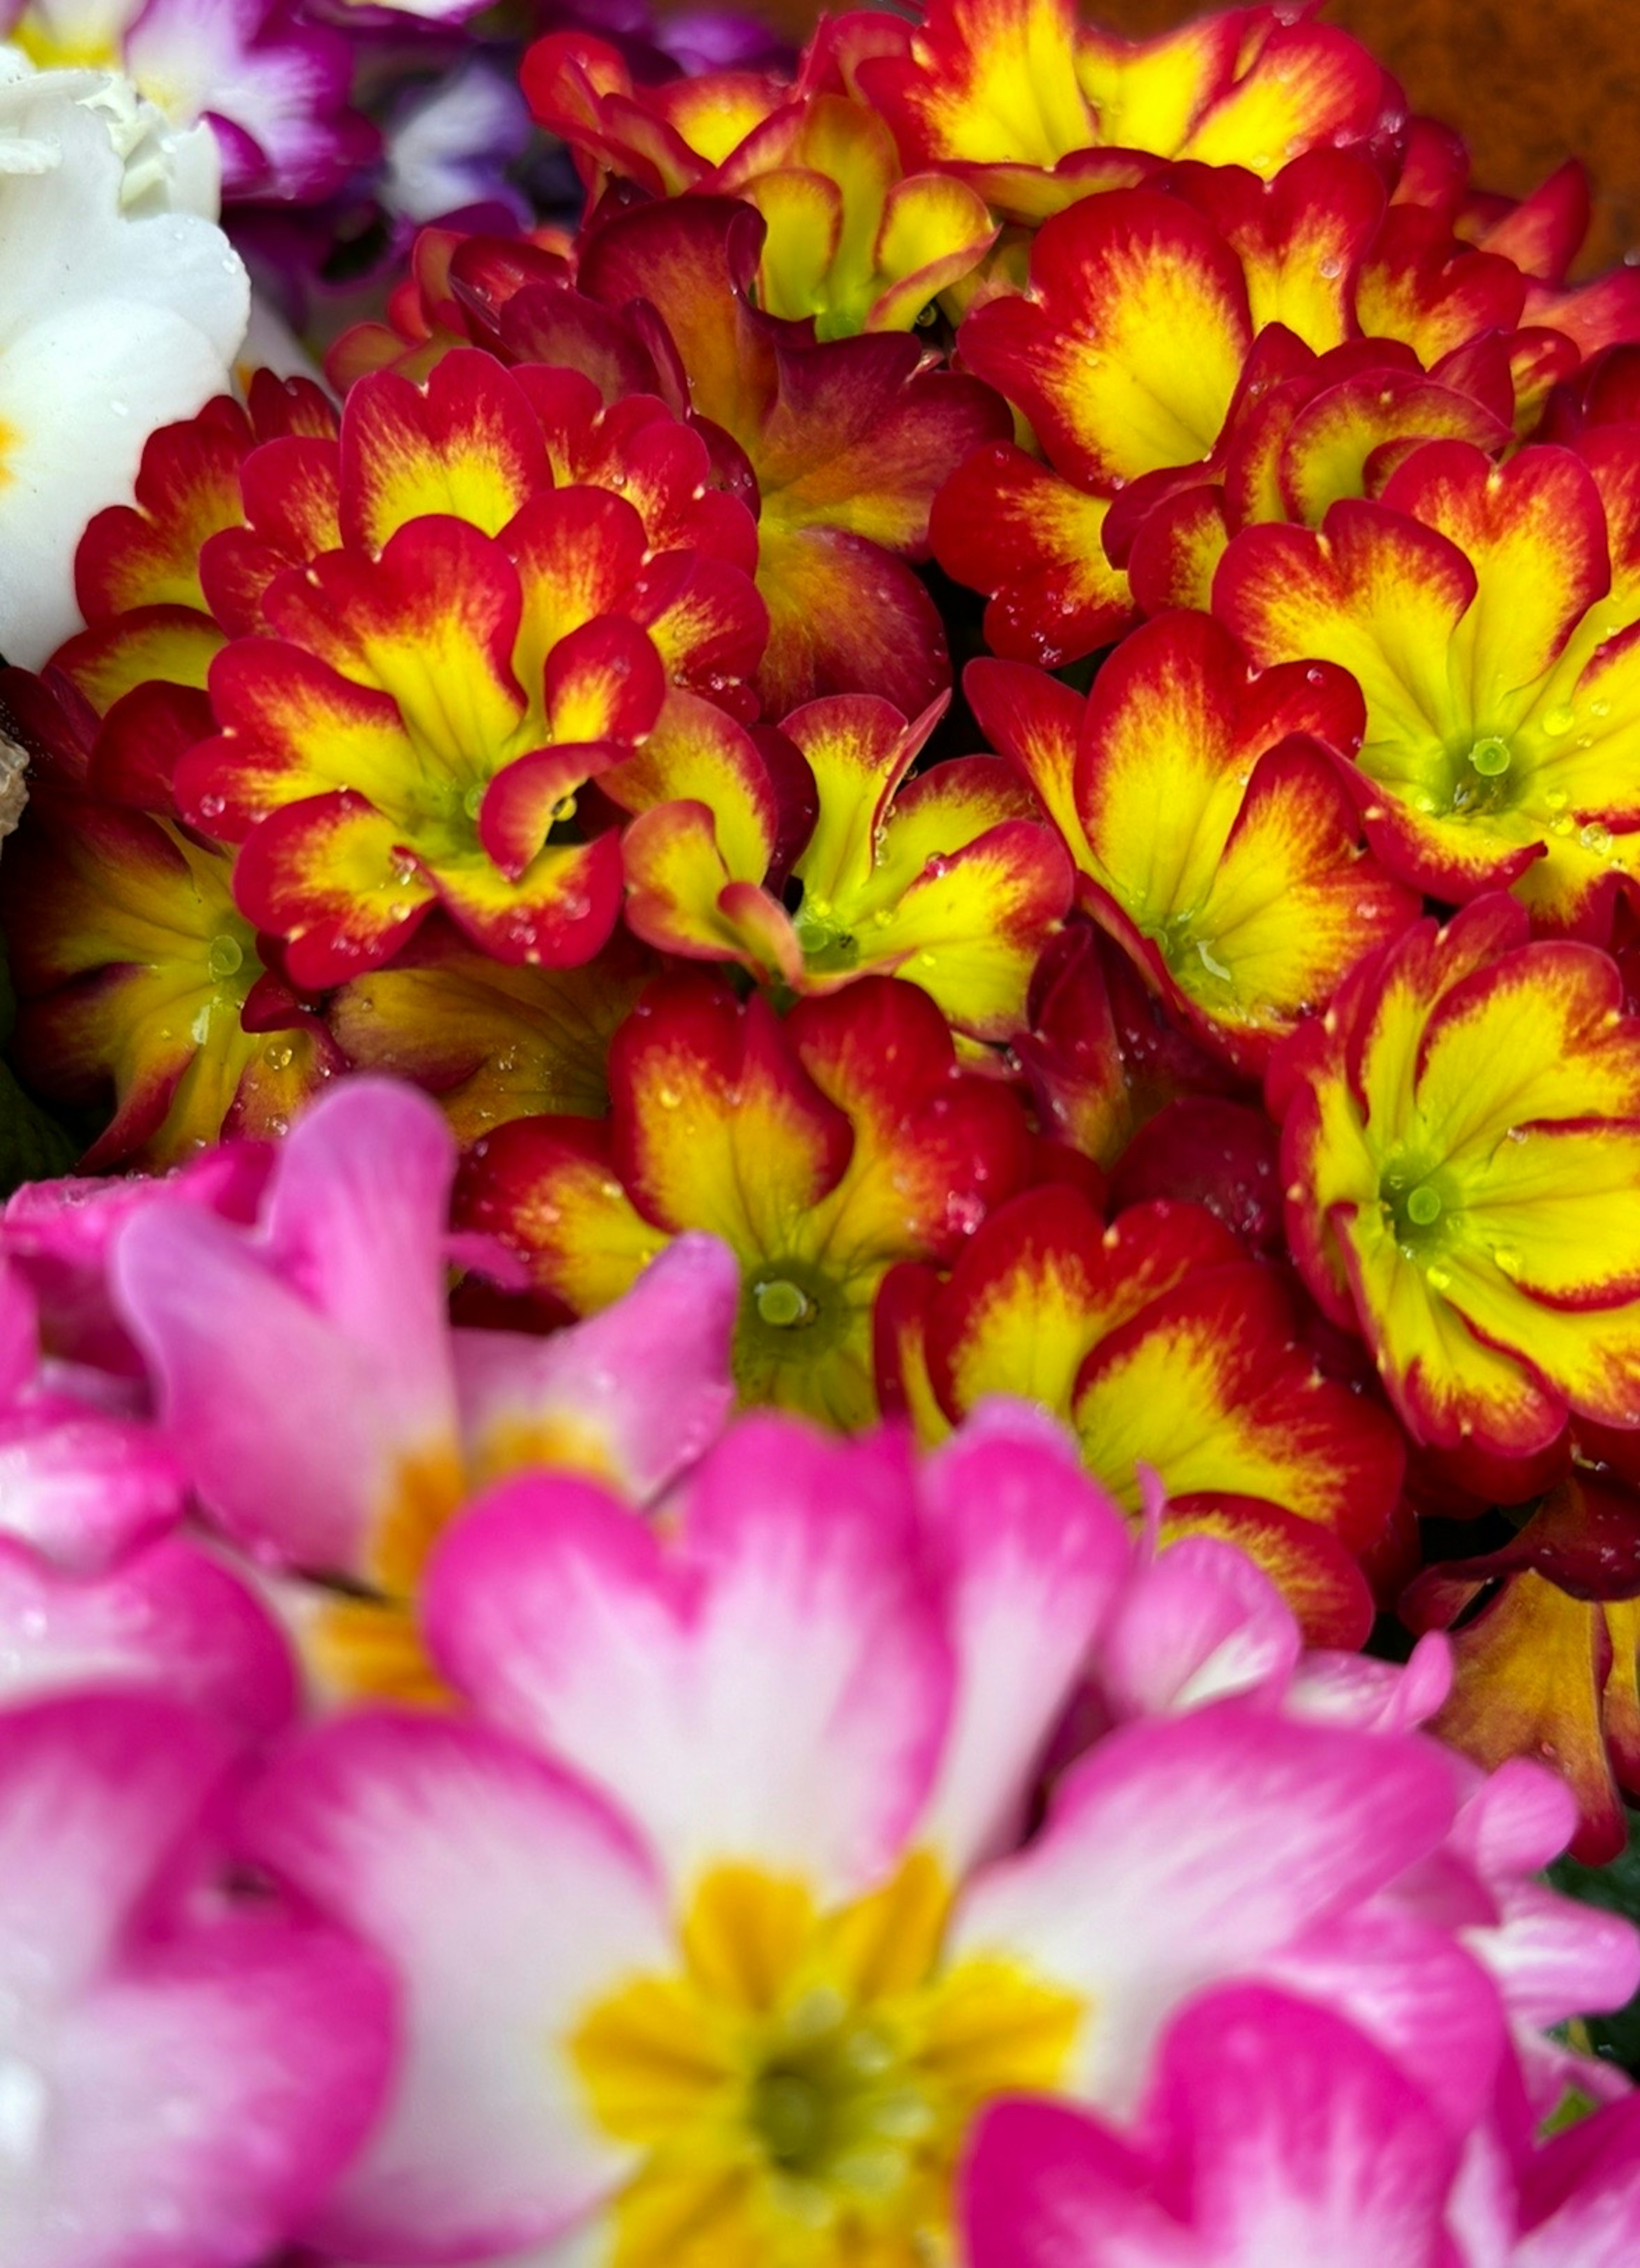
x,y
799,2088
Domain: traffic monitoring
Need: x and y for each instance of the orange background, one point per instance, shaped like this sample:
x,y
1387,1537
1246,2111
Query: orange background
x,y
1527,82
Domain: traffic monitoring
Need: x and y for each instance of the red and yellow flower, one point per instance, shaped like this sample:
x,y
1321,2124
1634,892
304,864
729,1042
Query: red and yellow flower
x,y
821,1150
951,878
1462,1153
854,243
1024,98
140,983
1213,837
490,1040
846,443
1194,358
1162,1344
1488,615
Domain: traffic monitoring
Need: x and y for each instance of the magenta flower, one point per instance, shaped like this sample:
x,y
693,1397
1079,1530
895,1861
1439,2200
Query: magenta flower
x,y
1275,2132
182,2071
713,1921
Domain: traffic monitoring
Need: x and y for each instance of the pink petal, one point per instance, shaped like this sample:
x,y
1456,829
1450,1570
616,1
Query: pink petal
x,y
168,1616
643,1387
509,1900
1199,1622
83,1487
772,1684
1184,1850
1031,1553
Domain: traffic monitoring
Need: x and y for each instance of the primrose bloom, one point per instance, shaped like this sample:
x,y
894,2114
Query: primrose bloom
x,y
1488,614
1459,1153
186,2068
120,312
853,242
1274,2131
951,878
1025,100
339,1424
1160,1342
1202,804
141,982
820,1149
716,1903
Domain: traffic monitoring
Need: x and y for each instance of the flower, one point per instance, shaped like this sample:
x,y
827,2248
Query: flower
x,y
1202,804
183,2065
1274,2130
951,878
272,86
737,1821
1025,99
1162,1344
339,1424
1458,1150
1510,766
118,318
821,1149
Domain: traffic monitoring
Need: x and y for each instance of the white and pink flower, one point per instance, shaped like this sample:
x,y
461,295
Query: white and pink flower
x,y
727,1908
1274,2132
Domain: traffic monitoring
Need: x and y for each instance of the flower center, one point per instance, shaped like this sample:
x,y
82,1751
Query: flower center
x,y
783,1305
1484,777
800,2087
1419,1204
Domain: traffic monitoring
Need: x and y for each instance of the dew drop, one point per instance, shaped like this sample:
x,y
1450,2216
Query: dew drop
x,y
1559,721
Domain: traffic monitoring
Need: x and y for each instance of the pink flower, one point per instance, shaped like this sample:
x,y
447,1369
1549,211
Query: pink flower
x,y
182,2072
1272,2131
714,1921
328,1417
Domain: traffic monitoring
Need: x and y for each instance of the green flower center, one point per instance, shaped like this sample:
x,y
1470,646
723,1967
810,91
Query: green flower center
x,y
784,1306
1484,777
1419,1203
836,2107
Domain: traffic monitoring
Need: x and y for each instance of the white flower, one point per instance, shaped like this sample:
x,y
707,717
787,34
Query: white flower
x,y
120,311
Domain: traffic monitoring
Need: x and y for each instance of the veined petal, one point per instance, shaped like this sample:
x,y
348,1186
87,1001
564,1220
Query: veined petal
x,y
559,911
292,729
329,876
845,616
430,623
1534,532
1255,1419
721,1127
1375,592
1042,1282
546,1186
